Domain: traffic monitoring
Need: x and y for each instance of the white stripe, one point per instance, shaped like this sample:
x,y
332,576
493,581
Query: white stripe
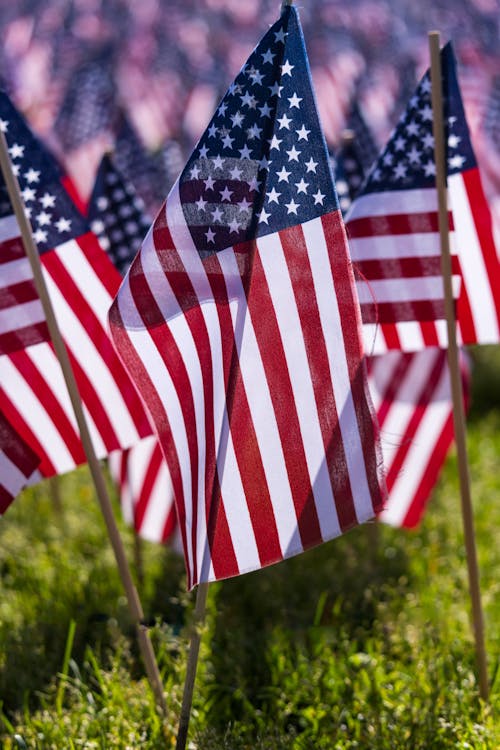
x,y
410,336
236,509
15,272
472,263
282,294
159,507
393,246
20,316
381,374
421,200
11,477
9,228
79,340
404,289
332,328
262,410
146,351
373,339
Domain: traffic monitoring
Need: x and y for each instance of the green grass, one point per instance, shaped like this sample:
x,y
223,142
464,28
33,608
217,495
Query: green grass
x,y
364,642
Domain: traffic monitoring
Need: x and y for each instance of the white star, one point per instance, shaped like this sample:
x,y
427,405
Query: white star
x,y
209,183
237,119
264,216
430,169
425,86
428,140
388,159
16,151
275,89
27,211
283,175
227,141
44,219
40,236
275,143
279,36
453,141
4,125
400,144
217,214
293,154
195,173
203,152
235,173
456,162
32,175
218,162
303,133
245,152
212,130
266,110
319,198
16,169
268,56
302,186
47,200
264,163
210,235
273,196
295,101
426,113
399,171
28,194
234,88
412,128
256,77
226,194
249,100
376,175
286,68
222,109
102,203
311,165
63,225
97,226
414,155
292,207
254,131
234,226
244,205
253,184
200,204
284,122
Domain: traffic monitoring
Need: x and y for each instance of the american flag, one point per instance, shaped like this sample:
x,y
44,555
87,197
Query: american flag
x,y
81,282
146,494
412,395
364,145
394,239
18,464
116,215
240,323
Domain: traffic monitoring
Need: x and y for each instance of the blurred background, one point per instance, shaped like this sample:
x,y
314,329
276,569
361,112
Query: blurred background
x,y
145,77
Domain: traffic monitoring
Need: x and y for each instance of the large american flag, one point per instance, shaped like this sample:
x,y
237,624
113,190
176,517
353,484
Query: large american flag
x,y
18,464
82,282
394,239
240,323
412,395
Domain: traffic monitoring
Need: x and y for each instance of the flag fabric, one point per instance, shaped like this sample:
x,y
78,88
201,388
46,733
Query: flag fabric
x,y
239,322
394,239
18,464
146,495
363,144
116,215
81,282
412,395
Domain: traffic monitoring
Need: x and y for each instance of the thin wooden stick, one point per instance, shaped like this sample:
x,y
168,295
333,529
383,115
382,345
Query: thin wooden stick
x,y
453,362
194,648
138,559
134,603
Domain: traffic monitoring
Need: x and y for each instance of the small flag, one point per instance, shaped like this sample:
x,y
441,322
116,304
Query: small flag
x,y
394,239
239,322
18,464
81,282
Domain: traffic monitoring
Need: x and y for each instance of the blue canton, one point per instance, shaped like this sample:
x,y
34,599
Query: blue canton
x,y
262,165
407,161
54,218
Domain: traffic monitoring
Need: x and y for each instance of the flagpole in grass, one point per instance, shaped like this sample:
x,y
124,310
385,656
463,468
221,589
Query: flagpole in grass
x,y
453,362
134,604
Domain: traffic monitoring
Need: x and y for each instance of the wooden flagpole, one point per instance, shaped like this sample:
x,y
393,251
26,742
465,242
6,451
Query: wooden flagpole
x,y
134,604
453,362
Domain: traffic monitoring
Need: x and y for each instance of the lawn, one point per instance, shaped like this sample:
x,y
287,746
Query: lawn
x,y
364,642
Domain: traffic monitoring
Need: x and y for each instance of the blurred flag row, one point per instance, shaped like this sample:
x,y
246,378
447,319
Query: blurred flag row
x,y
240,391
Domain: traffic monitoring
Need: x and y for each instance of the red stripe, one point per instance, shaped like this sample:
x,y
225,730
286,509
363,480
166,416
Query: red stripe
x,y
401,268
73,193
17,294
22,338
483,224
297,257
395,224
12,249
343,278
430,475
429,333
58,267
104,269
156,407
172,358
147,485
397,377
398,312
391,335
16,450
219,538
5,499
